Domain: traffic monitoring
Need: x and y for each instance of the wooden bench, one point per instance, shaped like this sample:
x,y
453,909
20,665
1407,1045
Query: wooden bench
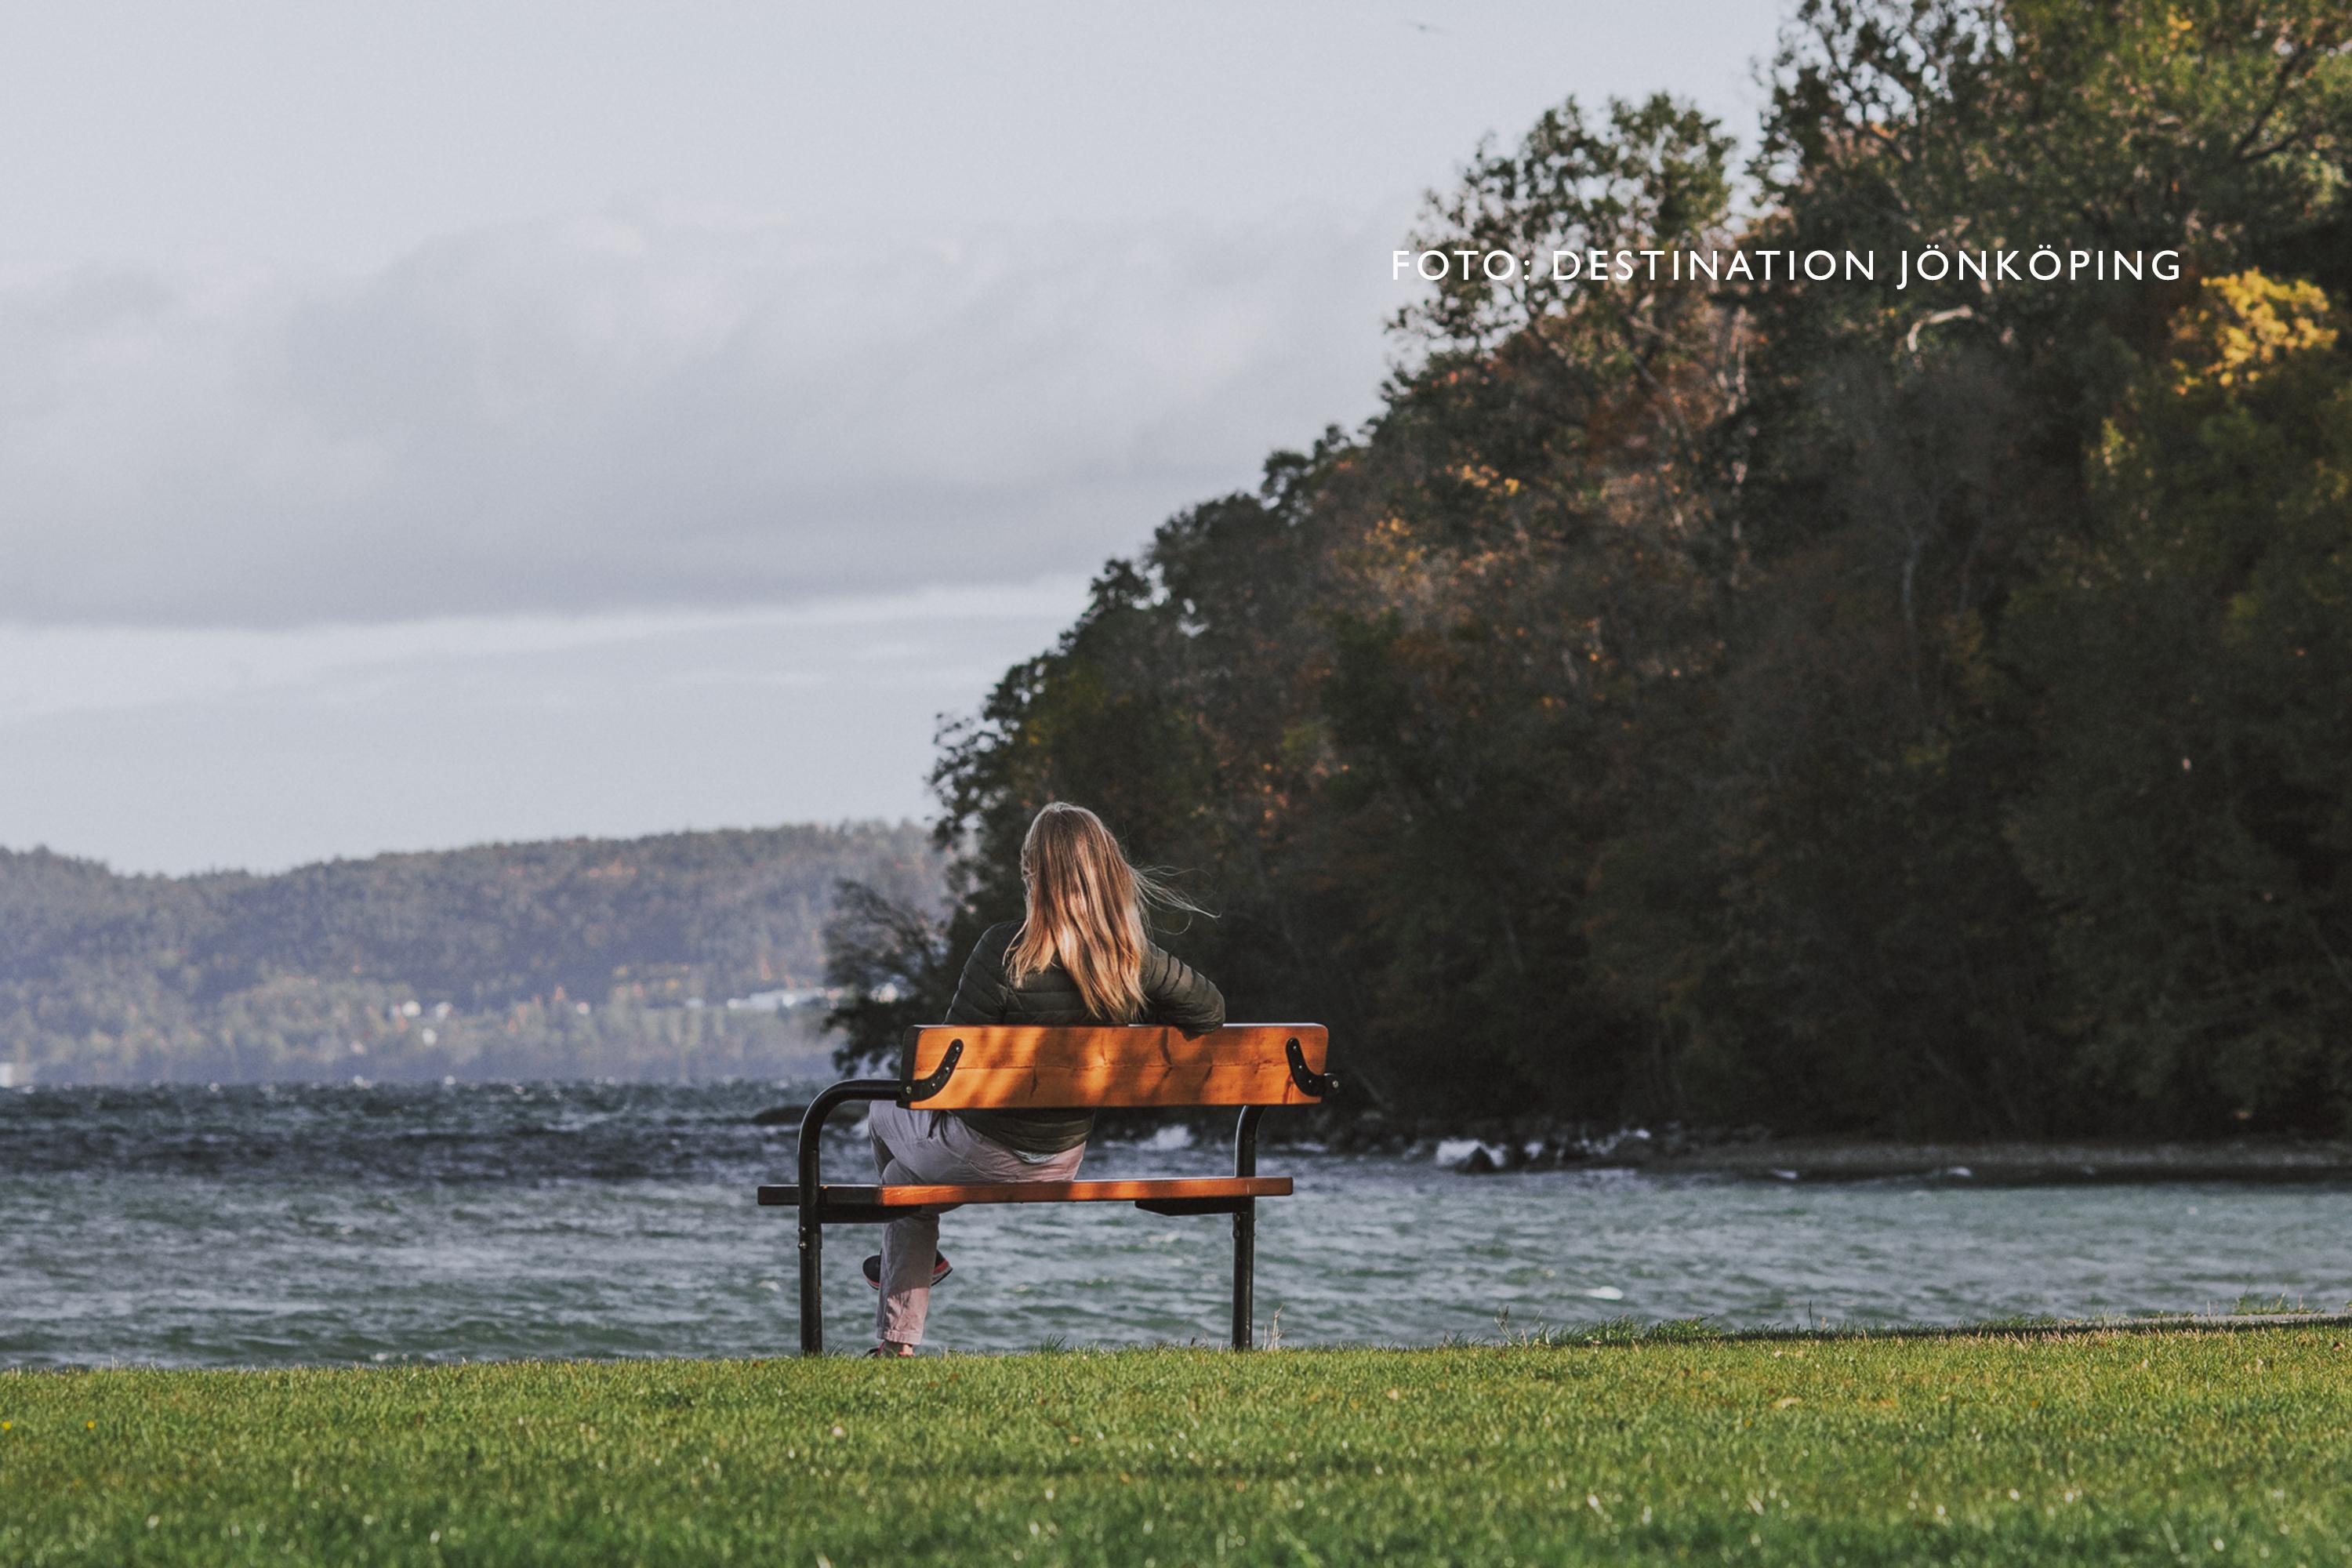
x,y
1004,1067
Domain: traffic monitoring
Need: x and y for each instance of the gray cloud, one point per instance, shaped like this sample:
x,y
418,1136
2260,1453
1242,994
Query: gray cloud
x,y
655,406
175,749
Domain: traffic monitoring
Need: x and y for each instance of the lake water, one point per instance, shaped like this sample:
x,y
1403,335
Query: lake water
x,y
301,1226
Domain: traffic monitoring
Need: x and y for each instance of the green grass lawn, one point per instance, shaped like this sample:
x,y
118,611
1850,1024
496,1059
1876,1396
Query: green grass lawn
x,y
2213,1448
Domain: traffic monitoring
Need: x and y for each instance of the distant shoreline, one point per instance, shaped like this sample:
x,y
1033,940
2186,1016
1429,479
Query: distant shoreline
x,y
1502,1149
2016,1162
1477,1149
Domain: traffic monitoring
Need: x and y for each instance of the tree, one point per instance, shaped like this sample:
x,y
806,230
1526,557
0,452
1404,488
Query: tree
x,y
2188,671
890,957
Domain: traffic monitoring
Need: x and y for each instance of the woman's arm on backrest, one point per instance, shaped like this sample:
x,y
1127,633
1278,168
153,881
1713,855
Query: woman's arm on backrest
x,y
1177,993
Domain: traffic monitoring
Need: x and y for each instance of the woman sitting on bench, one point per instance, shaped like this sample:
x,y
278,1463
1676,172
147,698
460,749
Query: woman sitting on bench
x,y
1081,957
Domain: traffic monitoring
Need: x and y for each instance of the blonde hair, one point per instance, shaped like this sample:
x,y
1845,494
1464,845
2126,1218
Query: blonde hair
x,y
1086,911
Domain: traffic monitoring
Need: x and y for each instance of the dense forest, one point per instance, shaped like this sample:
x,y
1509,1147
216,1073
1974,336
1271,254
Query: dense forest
x,y
1846,706
575,958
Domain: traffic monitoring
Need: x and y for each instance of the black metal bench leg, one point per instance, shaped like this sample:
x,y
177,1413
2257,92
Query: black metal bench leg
x,y
1245,1226
1245,1270
812,1280
812,1196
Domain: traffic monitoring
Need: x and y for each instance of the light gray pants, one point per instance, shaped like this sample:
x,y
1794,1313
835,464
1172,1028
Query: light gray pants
x,y
924,1146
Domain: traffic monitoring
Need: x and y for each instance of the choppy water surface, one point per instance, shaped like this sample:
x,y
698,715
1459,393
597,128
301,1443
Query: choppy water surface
x,y
253,1226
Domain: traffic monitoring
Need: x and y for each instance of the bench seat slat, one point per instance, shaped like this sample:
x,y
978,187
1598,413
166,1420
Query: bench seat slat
x,y
920,1195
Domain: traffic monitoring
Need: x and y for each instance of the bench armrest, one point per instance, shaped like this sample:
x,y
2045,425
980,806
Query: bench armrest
x,y
823,1105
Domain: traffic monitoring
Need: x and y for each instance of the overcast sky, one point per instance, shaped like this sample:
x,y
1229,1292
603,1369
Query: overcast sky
x,y
446,422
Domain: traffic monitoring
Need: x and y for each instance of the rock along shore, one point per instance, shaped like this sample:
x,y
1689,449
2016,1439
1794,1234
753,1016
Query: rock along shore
x,y
1753,1153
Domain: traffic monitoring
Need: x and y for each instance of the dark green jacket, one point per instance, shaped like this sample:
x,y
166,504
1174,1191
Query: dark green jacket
x,y
1173,993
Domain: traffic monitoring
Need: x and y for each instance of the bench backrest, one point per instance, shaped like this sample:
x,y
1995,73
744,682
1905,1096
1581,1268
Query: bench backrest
x,y
992,1066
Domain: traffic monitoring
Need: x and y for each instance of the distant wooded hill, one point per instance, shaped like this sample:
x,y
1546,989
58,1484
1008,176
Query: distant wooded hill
x,y
579,957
